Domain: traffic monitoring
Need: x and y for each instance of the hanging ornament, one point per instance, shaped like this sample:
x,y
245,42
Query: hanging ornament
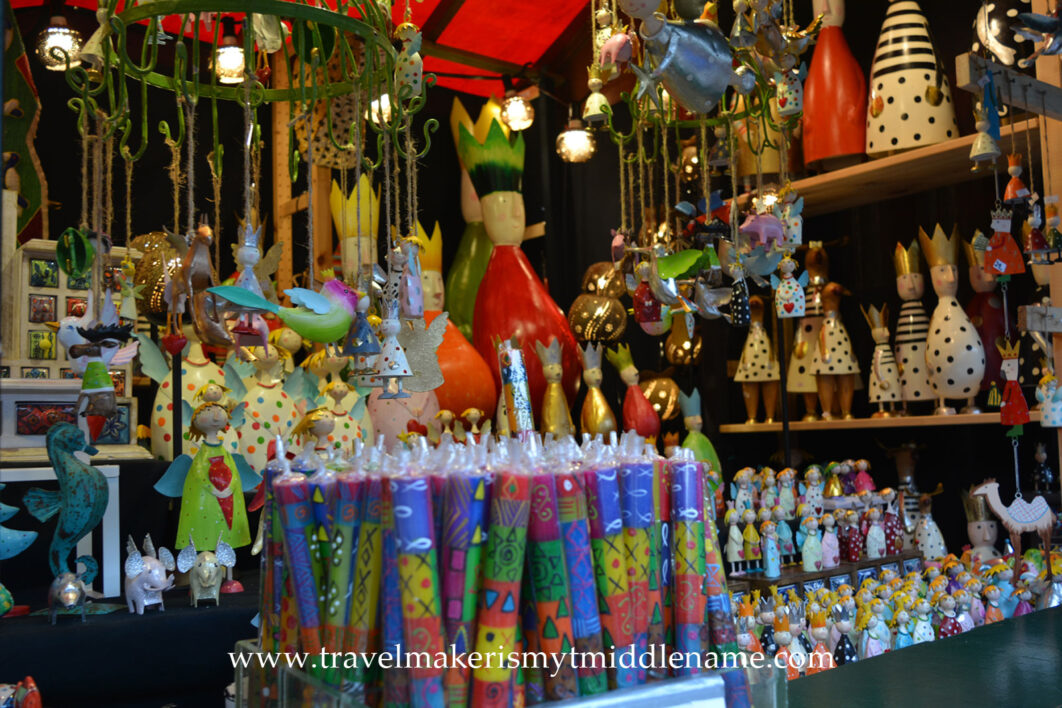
x,y
1014,411
993,36
986,311
790,91
1016,191
409,66
984,152
789,290
1002,255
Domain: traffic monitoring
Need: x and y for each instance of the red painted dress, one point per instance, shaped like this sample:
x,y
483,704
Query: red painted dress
x,y
639,414
1003,257
1014,411
855,544
792,673
993,614
985,311
893,533
820,660
949,627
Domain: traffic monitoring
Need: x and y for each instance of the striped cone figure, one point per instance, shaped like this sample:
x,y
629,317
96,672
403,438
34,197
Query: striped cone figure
x,y
910,101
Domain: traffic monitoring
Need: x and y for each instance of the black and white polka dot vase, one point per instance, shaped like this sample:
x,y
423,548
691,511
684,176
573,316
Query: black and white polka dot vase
x,y
910,102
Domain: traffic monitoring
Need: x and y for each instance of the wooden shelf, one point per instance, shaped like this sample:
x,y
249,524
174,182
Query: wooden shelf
x,y
910,421
909,172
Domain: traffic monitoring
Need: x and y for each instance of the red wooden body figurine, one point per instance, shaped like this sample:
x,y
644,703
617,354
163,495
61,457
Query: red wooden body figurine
x,y
1014,410
638,413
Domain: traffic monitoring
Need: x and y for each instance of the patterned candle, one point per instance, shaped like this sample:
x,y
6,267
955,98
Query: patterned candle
x,y
418,572
586,622
293,495
396,689
636,485
363,629
549,581
499,597
687,494
464,515
346,519
610,569
515,388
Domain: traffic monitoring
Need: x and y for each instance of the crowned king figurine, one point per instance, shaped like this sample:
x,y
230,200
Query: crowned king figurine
x,y
912,325
954,353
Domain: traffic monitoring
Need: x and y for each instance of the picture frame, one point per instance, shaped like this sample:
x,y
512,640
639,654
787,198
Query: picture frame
x,y
116,430
68,373
864,573
82,283
44,273
836,581
42,345
42,308
912,565
36,418
814,585
118,377
76,306
894,567
36,372
783,590
5,372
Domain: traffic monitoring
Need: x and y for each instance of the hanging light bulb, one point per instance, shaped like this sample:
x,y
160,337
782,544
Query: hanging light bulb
x,y
379,110
517,112
576,143
66,42
229,62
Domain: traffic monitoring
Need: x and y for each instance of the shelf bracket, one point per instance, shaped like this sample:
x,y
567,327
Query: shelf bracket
x,y
1018,90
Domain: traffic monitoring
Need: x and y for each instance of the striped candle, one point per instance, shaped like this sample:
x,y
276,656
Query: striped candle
x,y
636,485
499,597
293,496
604,515
346,516
549,582
418,572
687,495
464,509
586,622
396,688
363,628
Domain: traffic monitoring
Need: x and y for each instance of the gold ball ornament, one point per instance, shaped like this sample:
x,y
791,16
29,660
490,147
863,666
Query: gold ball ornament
x,y
663,393
681,347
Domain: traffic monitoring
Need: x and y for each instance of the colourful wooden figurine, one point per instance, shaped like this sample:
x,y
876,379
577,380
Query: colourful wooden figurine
x,y
1014,409
928,538
835,96
554,415
884,374
835,366
811,548
954,353
696,440
758,369
799,375
912,326
910,101
985,310
831,550
735,542
596,416
789,298
638,413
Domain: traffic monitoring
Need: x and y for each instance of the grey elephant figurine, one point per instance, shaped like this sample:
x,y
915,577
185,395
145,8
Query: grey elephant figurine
x,y
145,575
69,591
204,581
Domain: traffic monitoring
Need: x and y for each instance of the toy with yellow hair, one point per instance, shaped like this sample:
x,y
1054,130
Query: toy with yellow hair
x,y
318,423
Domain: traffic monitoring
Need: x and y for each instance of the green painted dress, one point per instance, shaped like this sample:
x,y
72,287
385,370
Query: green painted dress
x,y
205,516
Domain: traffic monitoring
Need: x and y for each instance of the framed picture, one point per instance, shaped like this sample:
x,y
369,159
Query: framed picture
x,y
5,372
76,306
784,589
36,372
813,585
82,283
864,573
837,581
42,308
912,565
42,345
44,273
36,418
118,377
68,373
894,567
116,430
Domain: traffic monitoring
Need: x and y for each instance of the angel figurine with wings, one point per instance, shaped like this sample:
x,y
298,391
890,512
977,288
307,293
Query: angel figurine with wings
x,y
789,289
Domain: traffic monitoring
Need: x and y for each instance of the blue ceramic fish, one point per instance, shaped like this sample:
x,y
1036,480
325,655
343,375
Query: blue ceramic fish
x,y
81,499
12,542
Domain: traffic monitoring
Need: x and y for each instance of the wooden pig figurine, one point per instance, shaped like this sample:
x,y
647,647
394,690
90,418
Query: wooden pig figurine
x,y
207,570
555,416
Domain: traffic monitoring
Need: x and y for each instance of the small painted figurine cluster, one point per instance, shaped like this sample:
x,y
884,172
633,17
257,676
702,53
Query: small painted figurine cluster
x,y
828,628
765,506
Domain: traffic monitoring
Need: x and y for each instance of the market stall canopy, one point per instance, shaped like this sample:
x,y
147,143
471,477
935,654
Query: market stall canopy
x,y
462,37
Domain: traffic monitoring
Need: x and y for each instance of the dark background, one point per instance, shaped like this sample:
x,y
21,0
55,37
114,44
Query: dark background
x,y
580,204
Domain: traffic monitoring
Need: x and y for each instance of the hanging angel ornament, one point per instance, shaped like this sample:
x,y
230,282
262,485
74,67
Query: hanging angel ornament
x,y
789,88
789,299
391,364
409,66
271,402
250,323
984,152
1014,410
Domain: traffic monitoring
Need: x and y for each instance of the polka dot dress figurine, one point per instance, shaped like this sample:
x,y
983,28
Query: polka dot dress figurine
x,y
912,326
835,365
954,353
884,374
800,378
196,371
789,300
347,428
910,100
270,411
757,370
409,66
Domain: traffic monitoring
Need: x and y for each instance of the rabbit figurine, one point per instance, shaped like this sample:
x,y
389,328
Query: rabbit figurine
x,y
555,416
